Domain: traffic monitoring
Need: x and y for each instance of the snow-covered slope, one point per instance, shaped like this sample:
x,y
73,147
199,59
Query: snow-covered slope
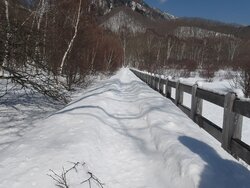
x,y
121,20
134,16
196,32
145,17
129,136
136,5
166,15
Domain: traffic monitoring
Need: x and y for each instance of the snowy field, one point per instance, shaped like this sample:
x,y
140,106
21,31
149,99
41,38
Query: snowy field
x,y
128,135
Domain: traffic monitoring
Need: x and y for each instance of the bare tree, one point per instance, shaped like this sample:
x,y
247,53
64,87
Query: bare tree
x,y
233,45
241,75
73,38
218,48
170,46
8,34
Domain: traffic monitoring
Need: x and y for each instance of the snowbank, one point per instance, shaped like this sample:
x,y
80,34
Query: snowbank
x,y
129,136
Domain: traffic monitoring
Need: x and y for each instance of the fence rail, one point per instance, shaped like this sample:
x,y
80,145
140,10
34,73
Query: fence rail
x,y
234,109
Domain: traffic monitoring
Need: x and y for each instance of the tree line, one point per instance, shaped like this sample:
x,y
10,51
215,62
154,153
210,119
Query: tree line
x,y
51,41
156,53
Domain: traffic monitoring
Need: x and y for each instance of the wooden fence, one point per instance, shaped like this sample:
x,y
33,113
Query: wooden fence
x,y
234,109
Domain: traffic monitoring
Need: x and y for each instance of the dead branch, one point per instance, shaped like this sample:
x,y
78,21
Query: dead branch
x,y
62,182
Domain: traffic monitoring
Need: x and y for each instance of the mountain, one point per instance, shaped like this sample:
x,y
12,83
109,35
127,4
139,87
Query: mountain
x,y
134,15
138,17
139,6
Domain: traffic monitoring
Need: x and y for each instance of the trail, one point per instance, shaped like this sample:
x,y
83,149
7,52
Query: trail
x,y
129,136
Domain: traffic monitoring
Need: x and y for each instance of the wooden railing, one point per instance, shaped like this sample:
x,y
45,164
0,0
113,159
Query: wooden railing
x,y
234,110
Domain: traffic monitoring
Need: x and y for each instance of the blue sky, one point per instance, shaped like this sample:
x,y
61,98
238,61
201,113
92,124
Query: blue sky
x,y
230,11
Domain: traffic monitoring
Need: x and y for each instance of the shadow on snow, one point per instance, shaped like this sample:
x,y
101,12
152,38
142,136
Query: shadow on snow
x,y
218,172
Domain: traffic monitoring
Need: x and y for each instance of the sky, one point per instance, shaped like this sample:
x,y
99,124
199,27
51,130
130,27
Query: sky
x,y
229,11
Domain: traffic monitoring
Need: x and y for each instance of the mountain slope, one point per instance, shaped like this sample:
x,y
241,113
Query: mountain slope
x,y
121,18
136,5
161,22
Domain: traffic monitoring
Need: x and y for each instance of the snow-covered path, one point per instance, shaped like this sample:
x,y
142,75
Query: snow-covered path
x,y
129,136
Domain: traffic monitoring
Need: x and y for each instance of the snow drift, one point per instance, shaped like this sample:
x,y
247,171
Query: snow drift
x,y
129,136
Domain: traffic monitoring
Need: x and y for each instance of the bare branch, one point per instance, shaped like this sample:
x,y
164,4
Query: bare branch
x,y
61,180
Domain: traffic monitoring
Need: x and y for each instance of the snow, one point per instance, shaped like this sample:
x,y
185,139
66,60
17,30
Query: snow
x,y
123,20
196,32
214,112
129,136
19,110
220,84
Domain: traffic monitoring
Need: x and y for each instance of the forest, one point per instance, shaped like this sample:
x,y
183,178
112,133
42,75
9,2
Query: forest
x,y
51,41
54,41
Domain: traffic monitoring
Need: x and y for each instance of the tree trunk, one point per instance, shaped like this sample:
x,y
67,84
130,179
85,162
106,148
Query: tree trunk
x,y
73,38
5,60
